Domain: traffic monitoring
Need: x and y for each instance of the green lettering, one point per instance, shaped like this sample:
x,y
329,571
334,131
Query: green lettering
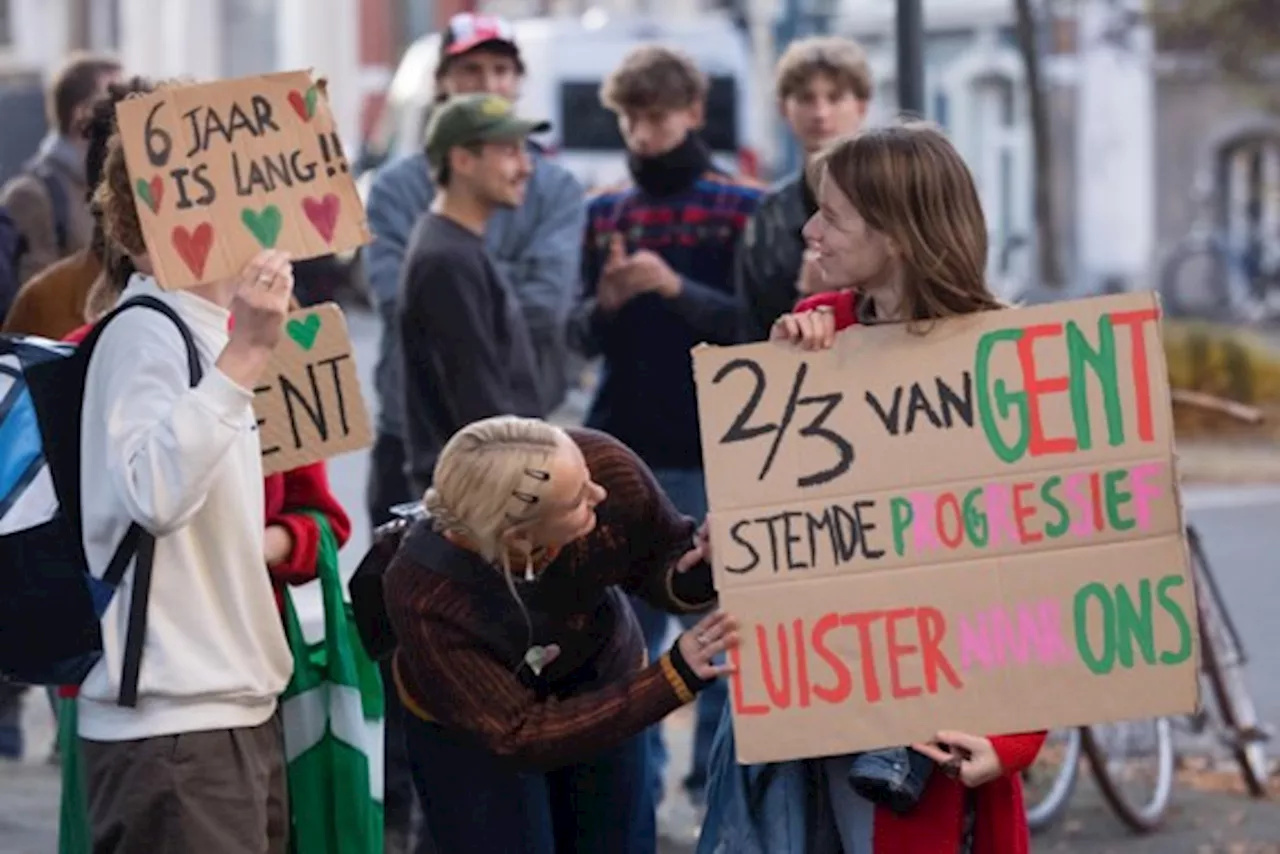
x,y
902,512
1116,498
975,520
1104,664
1055,529
996,401
1102,362
1135,623
1175,611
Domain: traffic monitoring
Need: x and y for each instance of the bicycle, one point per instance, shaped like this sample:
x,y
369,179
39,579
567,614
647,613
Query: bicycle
x,y
1233,715
1241,280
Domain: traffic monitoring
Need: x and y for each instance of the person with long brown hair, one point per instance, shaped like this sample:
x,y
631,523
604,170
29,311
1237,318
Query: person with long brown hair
x,y
899,237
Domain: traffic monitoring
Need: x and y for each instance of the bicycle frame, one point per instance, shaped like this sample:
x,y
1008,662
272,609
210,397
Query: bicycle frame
x,y
1193,540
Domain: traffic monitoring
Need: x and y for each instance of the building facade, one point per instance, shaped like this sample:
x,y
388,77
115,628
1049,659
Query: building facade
x,y
1148,145
209,39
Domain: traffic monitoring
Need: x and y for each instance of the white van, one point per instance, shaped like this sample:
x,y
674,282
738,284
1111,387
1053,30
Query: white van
x,y
566,59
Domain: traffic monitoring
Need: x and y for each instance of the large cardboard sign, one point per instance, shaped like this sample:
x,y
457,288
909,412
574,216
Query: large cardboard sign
x,y
309,404
978,529
223,170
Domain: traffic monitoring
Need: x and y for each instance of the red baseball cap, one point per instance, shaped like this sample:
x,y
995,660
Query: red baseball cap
x,y
467,31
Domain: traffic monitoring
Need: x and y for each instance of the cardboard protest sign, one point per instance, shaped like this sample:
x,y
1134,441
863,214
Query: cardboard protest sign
x,y
978,529
224,170
309,404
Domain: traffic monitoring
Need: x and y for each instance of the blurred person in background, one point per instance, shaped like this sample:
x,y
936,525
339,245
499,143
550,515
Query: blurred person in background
x,y
48,200
823,85
657,276
55,301
536,246
466,349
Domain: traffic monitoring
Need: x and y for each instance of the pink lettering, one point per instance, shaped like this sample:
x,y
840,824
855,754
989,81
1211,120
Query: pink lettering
x,y
1000,521
975,643
1080,524
1027,633
922,509
1053,643
1145,491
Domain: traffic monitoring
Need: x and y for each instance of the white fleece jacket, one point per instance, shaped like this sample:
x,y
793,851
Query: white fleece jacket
x,y
186,464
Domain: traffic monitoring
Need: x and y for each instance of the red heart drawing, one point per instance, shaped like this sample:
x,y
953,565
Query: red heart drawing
x,y
194,246
299,103
323,214
157,192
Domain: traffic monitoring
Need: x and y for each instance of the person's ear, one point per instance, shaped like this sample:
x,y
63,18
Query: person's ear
x,y
698,115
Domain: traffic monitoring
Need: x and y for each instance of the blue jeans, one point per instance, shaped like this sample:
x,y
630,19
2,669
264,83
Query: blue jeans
x,y
687,489
11,720
473,801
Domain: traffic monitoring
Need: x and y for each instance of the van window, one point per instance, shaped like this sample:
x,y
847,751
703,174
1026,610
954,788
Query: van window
x,y
585,125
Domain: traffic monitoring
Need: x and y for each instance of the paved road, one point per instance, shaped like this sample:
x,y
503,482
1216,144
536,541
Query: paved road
x,y
1241,528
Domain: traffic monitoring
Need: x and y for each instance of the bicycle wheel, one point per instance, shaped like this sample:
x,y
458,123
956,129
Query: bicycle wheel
x,y
1137,789
1048,784
1222,664
1195,281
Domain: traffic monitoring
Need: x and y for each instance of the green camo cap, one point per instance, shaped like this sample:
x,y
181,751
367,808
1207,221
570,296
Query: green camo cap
x,y
468,119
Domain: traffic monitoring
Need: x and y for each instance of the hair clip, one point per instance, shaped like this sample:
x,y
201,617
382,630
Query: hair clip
x,y
538,474
526,497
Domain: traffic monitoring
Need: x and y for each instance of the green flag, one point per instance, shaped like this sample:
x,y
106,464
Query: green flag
x,y
74,836
333,714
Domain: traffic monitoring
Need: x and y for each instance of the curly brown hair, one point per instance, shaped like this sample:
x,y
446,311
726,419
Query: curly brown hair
x,y
654,77
114,197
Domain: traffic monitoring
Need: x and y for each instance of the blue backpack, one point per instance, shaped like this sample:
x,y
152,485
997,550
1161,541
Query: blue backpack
x,y
51,607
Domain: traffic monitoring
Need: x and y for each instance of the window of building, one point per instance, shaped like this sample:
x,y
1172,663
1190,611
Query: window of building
x,y
1248,185
585,125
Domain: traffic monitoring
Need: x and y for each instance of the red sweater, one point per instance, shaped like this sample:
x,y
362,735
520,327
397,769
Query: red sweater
x,y
287,495
936,823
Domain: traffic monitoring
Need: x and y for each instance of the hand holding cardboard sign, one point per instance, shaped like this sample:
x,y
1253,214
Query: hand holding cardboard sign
x,y
712,635
700,552
258,308
808,330
971,759
261,300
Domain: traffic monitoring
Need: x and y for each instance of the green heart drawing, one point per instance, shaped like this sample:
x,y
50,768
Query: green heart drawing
x,y
312,95
304,331
264,224
144,193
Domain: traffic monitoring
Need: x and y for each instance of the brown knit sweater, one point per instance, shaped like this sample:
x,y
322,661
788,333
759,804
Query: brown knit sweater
x,y
464,654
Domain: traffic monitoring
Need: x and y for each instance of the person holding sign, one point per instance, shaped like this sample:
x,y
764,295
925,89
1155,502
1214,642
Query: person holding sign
x,y
196,763
899,236
520,661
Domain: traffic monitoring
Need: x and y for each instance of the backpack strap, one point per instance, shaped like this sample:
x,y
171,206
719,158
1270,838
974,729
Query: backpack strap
x,y
138,543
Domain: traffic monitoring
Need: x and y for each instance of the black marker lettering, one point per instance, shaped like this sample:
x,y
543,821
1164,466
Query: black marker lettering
x,y
333,363
292,394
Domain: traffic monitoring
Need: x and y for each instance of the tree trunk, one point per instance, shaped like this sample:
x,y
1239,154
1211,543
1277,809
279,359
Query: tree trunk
x,y
1048,256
